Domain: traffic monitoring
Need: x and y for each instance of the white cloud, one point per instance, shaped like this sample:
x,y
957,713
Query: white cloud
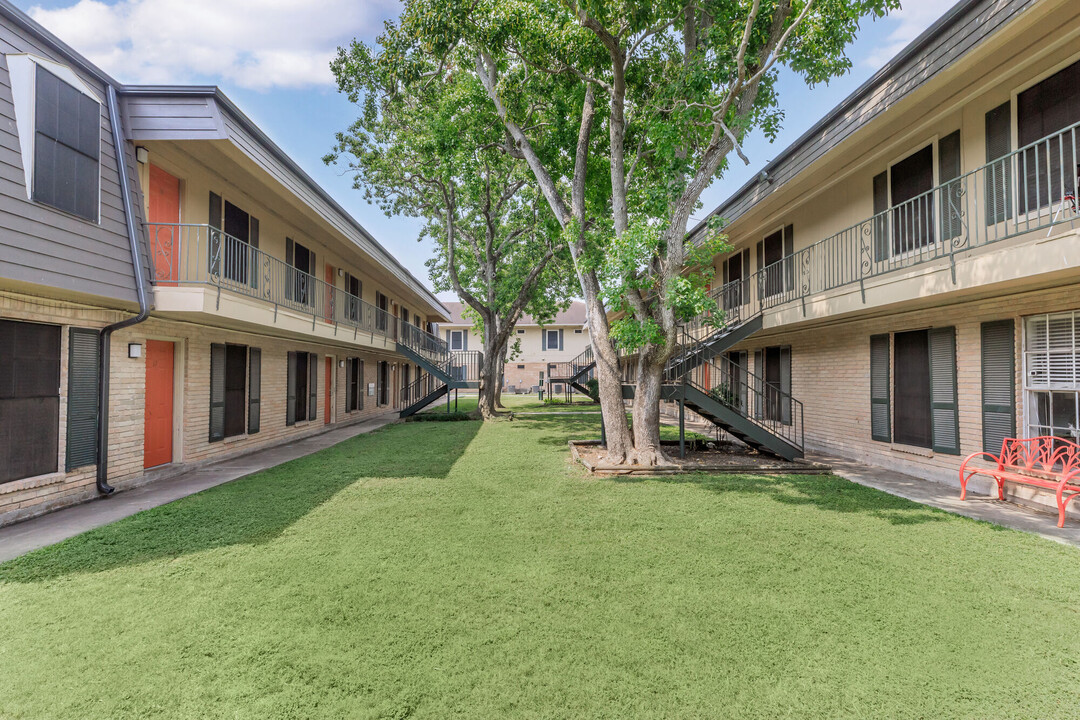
x,y
912,18
256,44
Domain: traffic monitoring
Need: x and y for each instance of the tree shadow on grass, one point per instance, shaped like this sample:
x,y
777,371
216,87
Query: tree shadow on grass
x,y
254,509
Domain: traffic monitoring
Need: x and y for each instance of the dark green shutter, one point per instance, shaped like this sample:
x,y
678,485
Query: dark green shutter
x,y
253,240
879,388
951,194
82,401
759,370
290,274
313,386
785,385
944,413
217,392
290,391
881,218
543,339
361,386
998,384
998,174
789,259
215,234
254,389
560,339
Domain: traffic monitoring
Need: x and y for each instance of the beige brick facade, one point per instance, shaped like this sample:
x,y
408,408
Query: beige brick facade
x,y
28,497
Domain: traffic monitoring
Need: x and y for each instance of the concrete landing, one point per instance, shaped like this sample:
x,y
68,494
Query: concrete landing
x,y
54,527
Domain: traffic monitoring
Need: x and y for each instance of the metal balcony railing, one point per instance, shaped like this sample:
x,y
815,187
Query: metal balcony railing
x,y
1028,190
185,254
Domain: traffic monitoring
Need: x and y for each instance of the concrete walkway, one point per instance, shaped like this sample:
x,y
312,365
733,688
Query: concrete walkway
x,y
51,528
945,496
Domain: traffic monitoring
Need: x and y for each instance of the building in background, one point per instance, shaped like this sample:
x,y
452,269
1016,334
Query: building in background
x,y
542,347
270,313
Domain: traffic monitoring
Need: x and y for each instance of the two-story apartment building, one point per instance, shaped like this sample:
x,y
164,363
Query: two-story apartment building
x,y
236,303
541,348
904,276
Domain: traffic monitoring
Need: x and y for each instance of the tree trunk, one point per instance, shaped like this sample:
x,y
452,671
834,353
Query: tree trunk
x,y
608,376
646,413
489,377
499,385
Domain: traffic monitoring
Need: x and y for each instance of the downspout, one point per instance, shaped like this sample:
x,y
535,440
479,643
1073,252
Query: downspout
x,y
105,337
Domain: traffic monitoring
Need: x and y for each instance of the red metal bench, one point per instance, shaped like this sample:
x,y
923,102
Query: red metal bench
x,y
1046,462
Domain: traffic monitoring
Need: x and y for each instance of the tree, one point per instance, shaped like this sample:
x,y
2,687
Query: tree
x,y
427,144
676,85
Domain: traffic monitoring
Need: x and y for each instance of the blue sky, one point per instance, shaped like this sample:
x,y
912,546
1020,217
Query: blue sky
x,y
271,59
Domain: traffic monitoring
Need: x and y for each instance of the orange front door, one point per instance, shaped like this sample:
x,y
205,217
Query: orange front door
x,y
329,389
164,220
158,417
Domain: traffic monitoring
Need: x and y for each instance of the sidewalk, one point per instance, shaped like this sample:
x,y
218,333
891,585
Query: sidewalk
x,y
943,496
51,528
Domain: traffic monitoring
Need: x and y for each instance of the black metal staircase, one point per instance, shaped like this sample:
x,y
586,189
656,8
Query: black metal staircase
x,y
444,369
575,373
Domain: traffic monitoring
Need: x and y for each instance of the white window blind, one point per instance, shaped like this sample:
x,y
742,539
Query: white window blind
x,y
1051,354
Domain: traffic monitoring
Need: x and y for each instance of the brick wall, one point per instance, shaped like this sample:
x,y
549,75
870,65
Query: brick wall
x,y
33,496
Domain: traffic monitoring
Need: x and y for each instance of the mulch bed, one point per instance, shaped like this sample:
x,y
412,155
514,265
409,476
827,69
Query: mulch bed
x,y
701,456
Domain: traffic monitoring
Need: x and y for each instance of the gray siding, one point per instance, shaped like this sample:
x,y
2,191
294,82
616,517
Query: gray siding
x,y
47,247
941,45
172,118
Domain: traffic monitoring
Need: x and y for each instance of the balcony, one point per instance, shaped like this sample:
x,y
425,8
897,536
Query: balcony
x,y
1027,196
198,269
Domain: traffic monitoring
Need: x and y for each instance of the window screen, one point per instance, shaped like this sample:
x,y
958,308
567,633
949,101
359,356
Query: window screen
x,y
67,143
29,399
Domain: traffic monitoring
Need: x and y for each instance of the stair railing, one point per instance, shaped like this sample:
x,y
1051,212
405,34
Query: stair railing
x,y
763,403
419,389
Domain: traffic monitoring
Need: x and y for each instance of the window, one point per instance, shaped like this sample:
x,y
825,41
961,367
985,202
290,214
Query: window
x,y
457,341
775,276
67,144
520,332
354,384
577,332
923,384
735,274
520,367
241,237
353,287
416,320
773,365
1042,110
551,340
301,266
384,383
29,399
910,183
383,303
1052,374
235,386
302,383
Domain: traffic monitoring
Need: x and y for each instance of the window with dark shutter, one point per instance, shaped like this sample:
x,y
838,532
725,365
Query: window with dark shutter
x,y
217,392
945,415
215,245
881,218
82,402
290,389
998,384
879,388
951,192
1050,164
254,390
67,146
236,370
313,386
999,173
911,389
29,399
236,250
910,183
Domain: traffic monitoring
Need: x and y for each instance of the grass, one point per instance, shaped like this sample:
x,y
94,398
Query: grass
x,y
458,570
515,403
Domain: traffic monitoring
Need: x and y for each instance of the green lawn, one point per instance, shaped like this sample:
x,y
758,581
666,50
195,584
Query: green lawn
x,y
457,570
515,403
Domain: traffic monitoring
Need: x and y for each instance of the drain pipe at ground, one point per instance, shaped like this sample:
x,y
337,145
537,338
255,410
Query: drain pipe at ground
x,y
105,337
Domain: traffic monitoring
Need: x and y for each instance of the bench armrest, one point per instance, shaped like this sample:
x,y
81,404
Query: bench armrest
x,y
972,456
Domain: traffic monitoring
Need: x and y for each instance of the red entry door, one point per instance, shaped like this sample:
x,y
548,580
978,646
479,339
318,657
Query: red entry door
x,y
158,417
164,220
329,389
